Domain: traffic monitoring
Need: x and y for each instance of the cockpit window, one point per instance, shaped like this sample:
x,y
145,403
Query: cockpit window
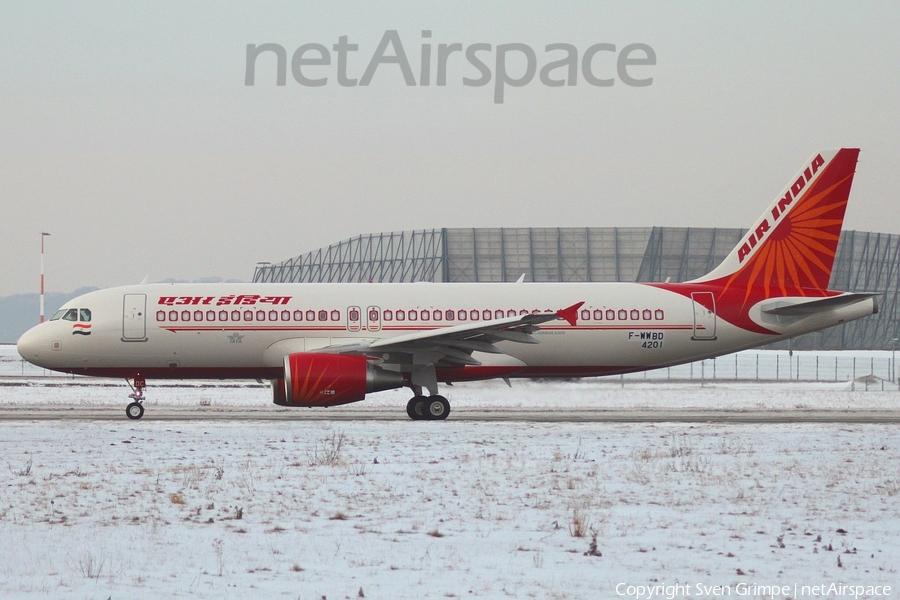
x,y
72,314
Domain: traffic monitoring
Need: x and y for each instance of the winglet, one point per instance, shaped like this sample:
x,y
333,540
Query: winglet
x,y
569,314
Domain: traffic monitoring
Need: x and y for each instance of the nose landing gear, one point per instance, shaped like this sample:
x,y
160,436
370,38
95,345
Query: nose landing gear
x,y
135,410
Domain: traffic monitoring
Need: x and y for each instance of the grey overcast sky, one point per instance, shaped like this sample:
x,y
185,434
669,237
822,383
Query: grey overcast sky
x,y
127,132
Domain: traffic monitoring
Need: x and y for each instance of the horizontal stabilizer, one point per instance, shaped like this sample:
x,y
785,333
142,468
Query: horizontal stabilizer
x,y
815,305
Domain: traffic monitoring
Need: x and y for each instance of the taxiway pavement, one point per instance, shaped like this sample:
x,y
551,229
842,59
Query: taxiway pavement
x,y
382,413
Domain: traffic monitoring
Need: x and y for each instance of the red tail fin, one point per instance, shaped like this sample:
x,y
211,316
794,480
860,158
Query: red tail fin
x,y
791,249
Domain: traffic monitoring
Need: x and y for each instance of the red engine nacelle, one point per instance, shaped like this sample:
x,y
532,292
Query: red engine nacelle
x,y
330,379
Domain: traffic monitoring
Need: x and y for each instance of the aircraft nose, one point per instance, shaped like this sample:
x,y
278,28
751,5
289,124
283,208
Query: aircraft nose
x,y
30,347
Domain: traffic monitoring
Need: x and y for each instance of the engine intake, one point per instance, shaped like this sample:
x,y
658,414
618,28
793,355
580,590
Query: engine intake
x,y
330,379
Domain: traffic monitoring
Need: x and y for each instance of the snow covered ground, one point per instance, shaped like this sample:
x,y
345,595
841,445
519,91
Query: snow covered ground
x,y
607,393
300,509
453,509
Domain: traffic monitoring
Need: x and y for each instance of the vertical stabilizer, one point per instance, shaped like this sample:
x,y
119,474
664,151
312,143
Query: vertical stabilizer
x,y
790,249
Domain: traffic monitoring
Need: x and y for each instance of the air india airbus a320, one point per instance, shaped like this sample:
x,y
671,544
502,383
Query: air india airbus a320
x,y
330,344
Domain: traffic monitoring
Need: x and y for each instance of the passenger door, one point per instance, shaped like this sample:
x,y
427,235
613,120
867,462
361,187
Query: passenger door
x,y
704,318
134,318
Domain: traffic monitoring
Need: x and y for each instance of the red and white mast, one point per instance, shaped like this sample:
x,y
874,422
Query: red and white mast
x,y
43,235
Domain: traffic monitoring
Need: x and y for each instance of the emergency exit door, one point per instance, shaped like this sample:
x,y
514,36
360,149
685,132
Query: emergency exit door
x,y
134,318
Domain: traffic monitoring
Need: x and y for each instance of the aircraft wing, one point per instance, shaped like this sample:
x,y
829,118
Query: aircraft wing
x,y
453,346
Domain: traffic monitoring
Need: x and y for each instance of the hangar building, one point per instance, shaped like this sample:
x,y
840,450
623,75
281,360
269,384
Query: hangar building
x,y
865,262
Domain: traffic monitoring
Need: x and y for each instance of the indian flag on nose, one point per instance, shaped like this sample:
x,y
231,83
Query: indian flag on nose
x,y
81,329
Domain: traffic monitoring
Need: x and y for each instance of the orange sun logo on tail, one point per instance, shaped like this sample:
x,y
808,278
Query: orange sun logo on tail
x,y
791,249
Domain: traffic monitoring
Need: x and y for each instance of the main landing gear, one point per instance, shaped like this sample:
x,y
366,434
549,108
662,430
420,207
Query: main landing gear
x,y
135,410
428,408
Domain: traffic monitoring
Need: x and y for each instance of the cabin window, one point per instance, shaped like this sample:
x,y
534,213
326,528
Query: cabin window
x,y
58,314
273,315
173,315
635,314
647,314
413,315
185,315
71,315
610,314
298,315
160,315
426,315
388,315
523,312
235,315
248,315
310,315
462,315
354,315
659,315
335,315
223,315
260,315
401,315
598,315
210,315
486,315
450,316
198,315
623,314
85,315
585,315
286,315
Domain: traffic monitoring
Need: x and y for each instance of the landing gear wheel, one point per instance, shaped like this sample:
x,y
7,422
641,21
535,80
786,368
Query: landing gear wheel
x,y
411,408
134,410
415,408
428,408
436,408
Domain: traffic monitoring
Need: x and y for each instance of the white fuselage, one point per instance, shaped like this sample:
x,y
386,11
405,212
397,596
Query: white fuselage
x,y
245,330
